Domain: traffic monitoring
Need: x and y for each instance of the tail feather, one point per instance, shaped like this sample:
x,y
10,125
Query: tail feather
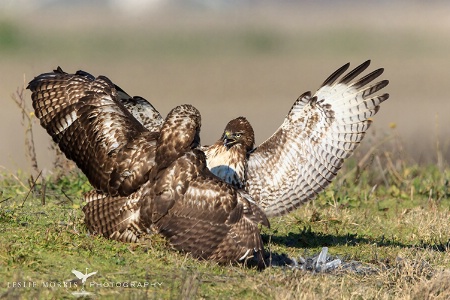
x,y
113,217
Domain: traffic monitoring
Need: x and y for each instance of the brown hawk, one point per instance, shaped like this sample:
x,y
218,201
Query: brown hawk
x,y
145,180
305,153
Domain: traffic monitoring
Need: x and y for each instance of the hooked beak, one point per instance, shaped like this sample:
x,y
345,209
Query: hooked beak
x,y
229,139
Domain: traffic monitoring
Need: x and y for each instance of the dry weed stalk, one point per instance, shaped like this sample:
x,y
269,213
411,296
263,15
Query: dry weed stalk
x,y
27,123
30,149
61,165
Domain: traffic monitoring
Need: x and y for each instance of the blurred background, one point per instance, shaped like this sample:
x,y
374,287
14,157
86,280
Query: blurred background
x,y
237,57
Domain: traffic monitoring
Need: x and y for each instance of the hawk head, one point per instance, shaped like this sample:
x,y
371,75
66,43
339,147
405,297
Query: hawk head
x,y
239,131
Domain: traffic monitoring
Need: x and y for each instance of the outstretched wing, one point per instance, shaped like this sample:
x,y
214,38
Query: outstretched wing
x,y
85,117
302,157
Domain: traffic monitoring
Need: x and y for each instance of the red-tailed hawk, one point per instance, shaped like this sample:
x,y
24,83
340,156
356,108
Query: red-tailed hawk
x,y
145,181
303,156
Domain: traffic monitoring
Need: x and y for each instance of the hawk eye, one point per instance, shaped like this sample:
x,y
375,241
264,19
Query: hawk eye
x,y
238,135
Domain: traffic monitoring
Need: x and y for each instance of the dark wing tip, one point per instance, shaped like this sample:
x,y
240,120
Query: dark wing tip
x,y
367,79
85,74
355,72
120,90
332,78
305,94
59,70
383,83
33,84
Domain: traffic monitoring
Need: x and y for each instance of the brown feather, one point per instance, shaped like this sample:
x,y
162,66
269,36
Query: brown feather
x,y
192,208
113,217
85,117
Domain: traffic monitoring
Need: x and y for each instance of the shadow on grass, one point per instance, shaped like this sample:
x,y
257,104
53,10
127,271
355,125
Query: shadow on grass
x,y
309,239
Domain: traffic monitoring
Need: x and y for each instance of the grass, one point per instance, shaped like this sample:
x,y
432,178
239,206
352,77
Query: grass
x,y
402,231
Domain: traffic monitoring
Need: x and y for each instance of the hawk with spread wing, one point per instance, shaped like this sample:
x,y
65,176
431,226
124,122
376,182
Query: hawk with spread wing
x,y
305,153
145,180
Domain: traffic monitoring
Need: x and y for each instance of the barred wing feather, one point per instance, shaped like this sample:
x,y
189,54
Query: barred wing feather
x,y
302,157
85,117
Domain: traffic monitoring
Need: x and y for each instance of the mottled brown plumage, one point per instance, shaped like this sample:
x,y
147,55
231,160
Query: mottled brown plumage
x,y
212,219
86,118
197,212
145,181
